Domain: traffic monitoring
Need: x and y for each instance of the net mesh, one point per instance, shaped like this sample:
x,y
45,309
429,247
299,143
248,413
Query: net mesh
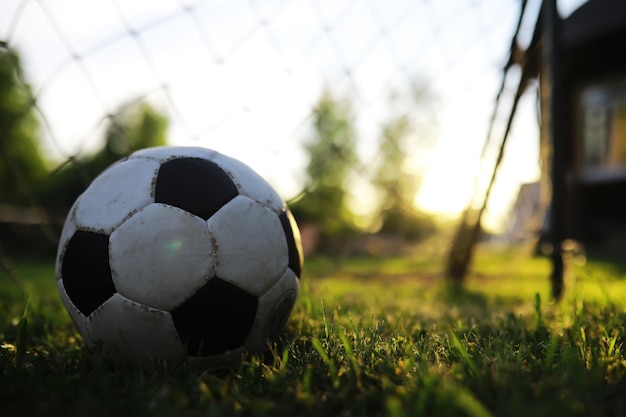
x,y
244,77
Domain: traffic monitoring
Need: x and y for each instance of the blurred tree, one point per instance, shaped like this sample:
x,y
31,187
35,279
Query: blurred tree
x,y
131,128
396,182
332,158
22,165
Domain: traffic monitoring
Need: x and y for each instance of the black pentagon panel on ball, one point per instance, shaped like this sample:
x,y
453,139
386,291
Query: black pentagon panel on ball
x,y
216,319
86,272
196,185
294,248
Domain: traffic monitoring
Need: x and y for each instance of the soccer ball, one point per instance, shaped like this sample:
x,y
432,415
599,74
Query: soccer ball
x,y
179,255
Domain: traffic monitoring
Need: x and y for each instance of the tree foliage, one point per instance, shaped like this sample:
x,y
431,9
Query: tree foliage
x,y
22,165
395,184
405,133
131,128
332,158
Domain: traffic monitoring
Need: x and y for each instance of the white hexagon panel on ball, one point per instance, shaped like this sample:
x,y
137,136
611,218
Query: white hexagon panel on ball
x,y
115,194
251,251
161,256
136,333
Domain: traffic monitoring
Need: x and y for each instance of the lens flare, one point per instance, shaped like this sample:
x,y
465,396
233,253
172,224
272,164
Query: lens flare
x,y
174,245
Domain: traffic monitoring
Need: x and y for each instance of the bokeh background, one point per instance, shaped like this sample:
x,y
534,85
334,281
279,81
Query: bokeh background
x,y
368,116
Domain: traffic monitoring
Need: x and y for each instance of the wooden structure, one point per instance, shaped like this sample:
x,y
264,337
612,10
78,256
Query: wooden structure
x,y
581,64
591,45
583,111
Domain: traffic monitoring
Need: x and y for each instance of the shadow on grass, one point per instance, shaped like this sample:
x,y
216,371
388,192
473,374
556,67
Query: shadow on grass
x,y
459,295
609,261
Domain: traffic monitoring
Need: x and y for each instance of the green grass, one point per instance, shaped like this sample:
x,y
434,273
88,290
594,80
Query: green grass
x,y
367,337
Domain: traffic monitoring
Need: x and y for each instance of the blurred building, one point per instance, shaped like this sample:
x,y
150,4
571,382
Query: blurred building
x,y
527,216
590,110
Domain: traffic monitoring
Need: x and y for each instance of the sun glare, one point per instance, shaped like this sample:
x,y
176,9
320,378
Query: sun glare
x,y
443,195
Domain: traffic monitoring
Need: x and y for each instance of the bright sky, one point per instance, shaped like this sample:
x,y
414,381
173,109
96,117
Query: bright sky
x,y
242,77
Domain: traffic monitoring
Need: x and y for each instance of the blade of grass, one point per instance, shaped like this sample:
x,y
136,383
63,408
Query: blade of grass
x,y
354,365
538,313
553,344
470,404
20,342
332,368
463,353
325,321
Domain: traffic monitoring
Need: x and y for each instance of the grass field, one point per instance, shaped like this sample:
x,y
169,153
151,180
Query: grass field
x,y
368,337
